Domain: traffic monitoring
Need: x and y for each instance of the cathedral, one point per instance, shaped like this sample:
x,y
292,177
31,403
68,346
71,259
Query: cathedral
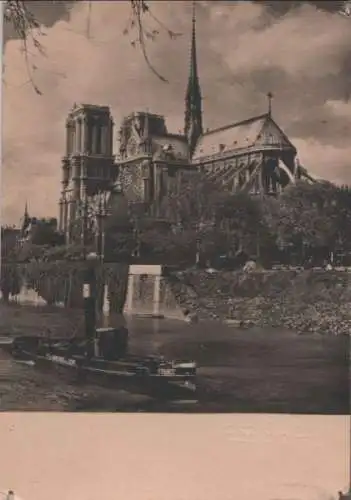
x,y
253,155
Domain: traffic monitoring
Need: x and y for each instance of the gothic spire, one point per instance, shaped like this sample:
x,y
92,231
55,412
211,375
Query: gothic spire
x,y
26,215
25,219
193,109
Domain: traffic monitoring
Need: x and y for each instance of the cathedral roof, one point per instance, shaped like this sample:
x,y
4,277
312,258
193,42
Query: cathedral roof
x,y
259,131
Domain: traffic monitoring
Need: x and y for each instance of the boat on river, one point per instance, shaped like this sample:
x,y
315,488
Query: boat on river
x,y
109,363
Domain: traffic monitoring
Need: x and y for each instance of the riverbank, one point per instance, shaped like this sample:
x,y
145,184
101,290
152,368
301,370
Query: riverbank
x,y
305,301
308,301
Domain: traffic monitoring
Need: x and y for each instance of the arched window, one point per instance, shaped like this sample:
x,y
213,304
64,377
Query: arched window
x,y
90,136
79,130
68,138
74,137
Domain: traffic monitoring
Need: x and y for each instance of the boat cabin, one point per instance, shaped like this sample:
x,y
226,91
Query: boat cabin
x,y
112,343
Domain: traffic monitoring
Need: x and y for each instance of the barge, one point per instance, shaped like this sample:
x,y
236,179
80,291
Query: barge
x,y
107,362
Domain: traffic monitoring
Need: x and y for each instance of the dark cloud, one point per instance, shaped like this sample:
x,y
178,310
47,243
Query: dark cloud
x,y
282,7
46,12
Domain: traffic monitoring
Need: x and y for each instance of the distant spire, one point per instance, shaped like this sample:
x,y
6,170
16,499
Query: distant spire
x,y
270,97
25,219
193,108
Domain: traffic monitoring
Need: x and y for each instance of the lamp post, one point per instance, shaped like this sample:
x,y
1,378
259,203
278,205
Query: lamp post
x,y
89,298
100,216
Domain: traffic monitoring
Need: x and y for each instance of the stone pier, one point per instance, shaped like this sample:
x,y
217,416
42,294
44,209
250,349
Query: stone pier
x,y
149,294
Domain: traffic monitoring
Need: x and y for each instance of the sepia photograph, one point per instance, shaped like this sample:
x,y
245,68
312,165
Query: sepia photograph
x,y
176,207
222,457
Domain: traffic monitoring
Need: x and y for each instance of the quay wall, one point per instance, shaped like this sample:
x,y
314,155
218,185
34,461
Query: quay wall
x,y
305,301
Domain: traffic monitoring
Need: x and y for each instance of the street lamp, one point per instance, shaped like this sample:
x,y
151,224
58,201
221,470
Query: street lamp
x,y
89,299
100,216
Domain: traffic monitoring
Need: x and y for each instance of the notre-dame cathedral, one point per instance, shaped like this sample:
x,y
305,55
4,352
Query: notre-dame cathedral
x,y
254,155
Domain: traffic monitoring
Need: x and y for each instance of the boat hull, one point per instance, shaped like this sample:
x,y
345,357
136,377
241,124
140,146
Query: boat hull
x,y
113,375
161,387
148,375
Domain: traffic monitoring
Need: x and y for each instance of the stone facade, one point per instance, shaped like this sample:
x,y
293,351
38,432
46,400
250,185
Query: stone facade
x,y
151,160
253,155
88,166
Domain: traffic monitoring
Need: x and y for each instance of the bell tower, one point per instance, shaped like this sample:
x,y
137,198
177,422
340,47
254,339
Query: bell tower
x,y
88,166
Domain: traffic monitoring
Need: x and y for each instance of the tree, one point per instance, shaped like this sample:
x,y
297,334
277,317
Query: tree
x,y
42,236
120,239
65,252
29,31
44,233
190,207
340,209
10,281
240,217
9,237
220,222
167,247
306,219
191,203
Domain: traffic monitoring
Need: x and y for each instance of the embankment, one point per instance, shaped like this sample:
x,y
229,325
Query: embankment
x,y
61,283
305,301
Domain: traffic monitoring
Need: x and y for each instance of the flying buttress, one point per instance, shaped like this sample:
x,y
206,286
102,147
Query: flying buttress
x,y
253,175
285,169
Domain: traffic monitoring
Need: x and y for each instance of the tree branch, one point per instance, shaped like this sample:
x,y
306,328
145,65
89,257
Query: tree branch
x,y
27,29
140,11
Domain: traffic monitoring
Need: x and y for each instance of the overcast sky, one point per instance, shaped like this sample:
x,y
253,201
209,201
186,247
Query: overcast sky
x,y
173,457
299,51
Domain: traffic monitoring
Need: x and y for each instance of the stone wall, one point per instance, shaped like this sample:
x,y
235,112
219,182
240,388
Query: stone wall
x,y
133,290
306,301
150,294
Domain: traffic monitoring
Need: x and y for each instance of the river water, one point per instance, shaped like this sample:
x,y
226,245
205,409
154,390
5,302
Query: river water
x,y
255,370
